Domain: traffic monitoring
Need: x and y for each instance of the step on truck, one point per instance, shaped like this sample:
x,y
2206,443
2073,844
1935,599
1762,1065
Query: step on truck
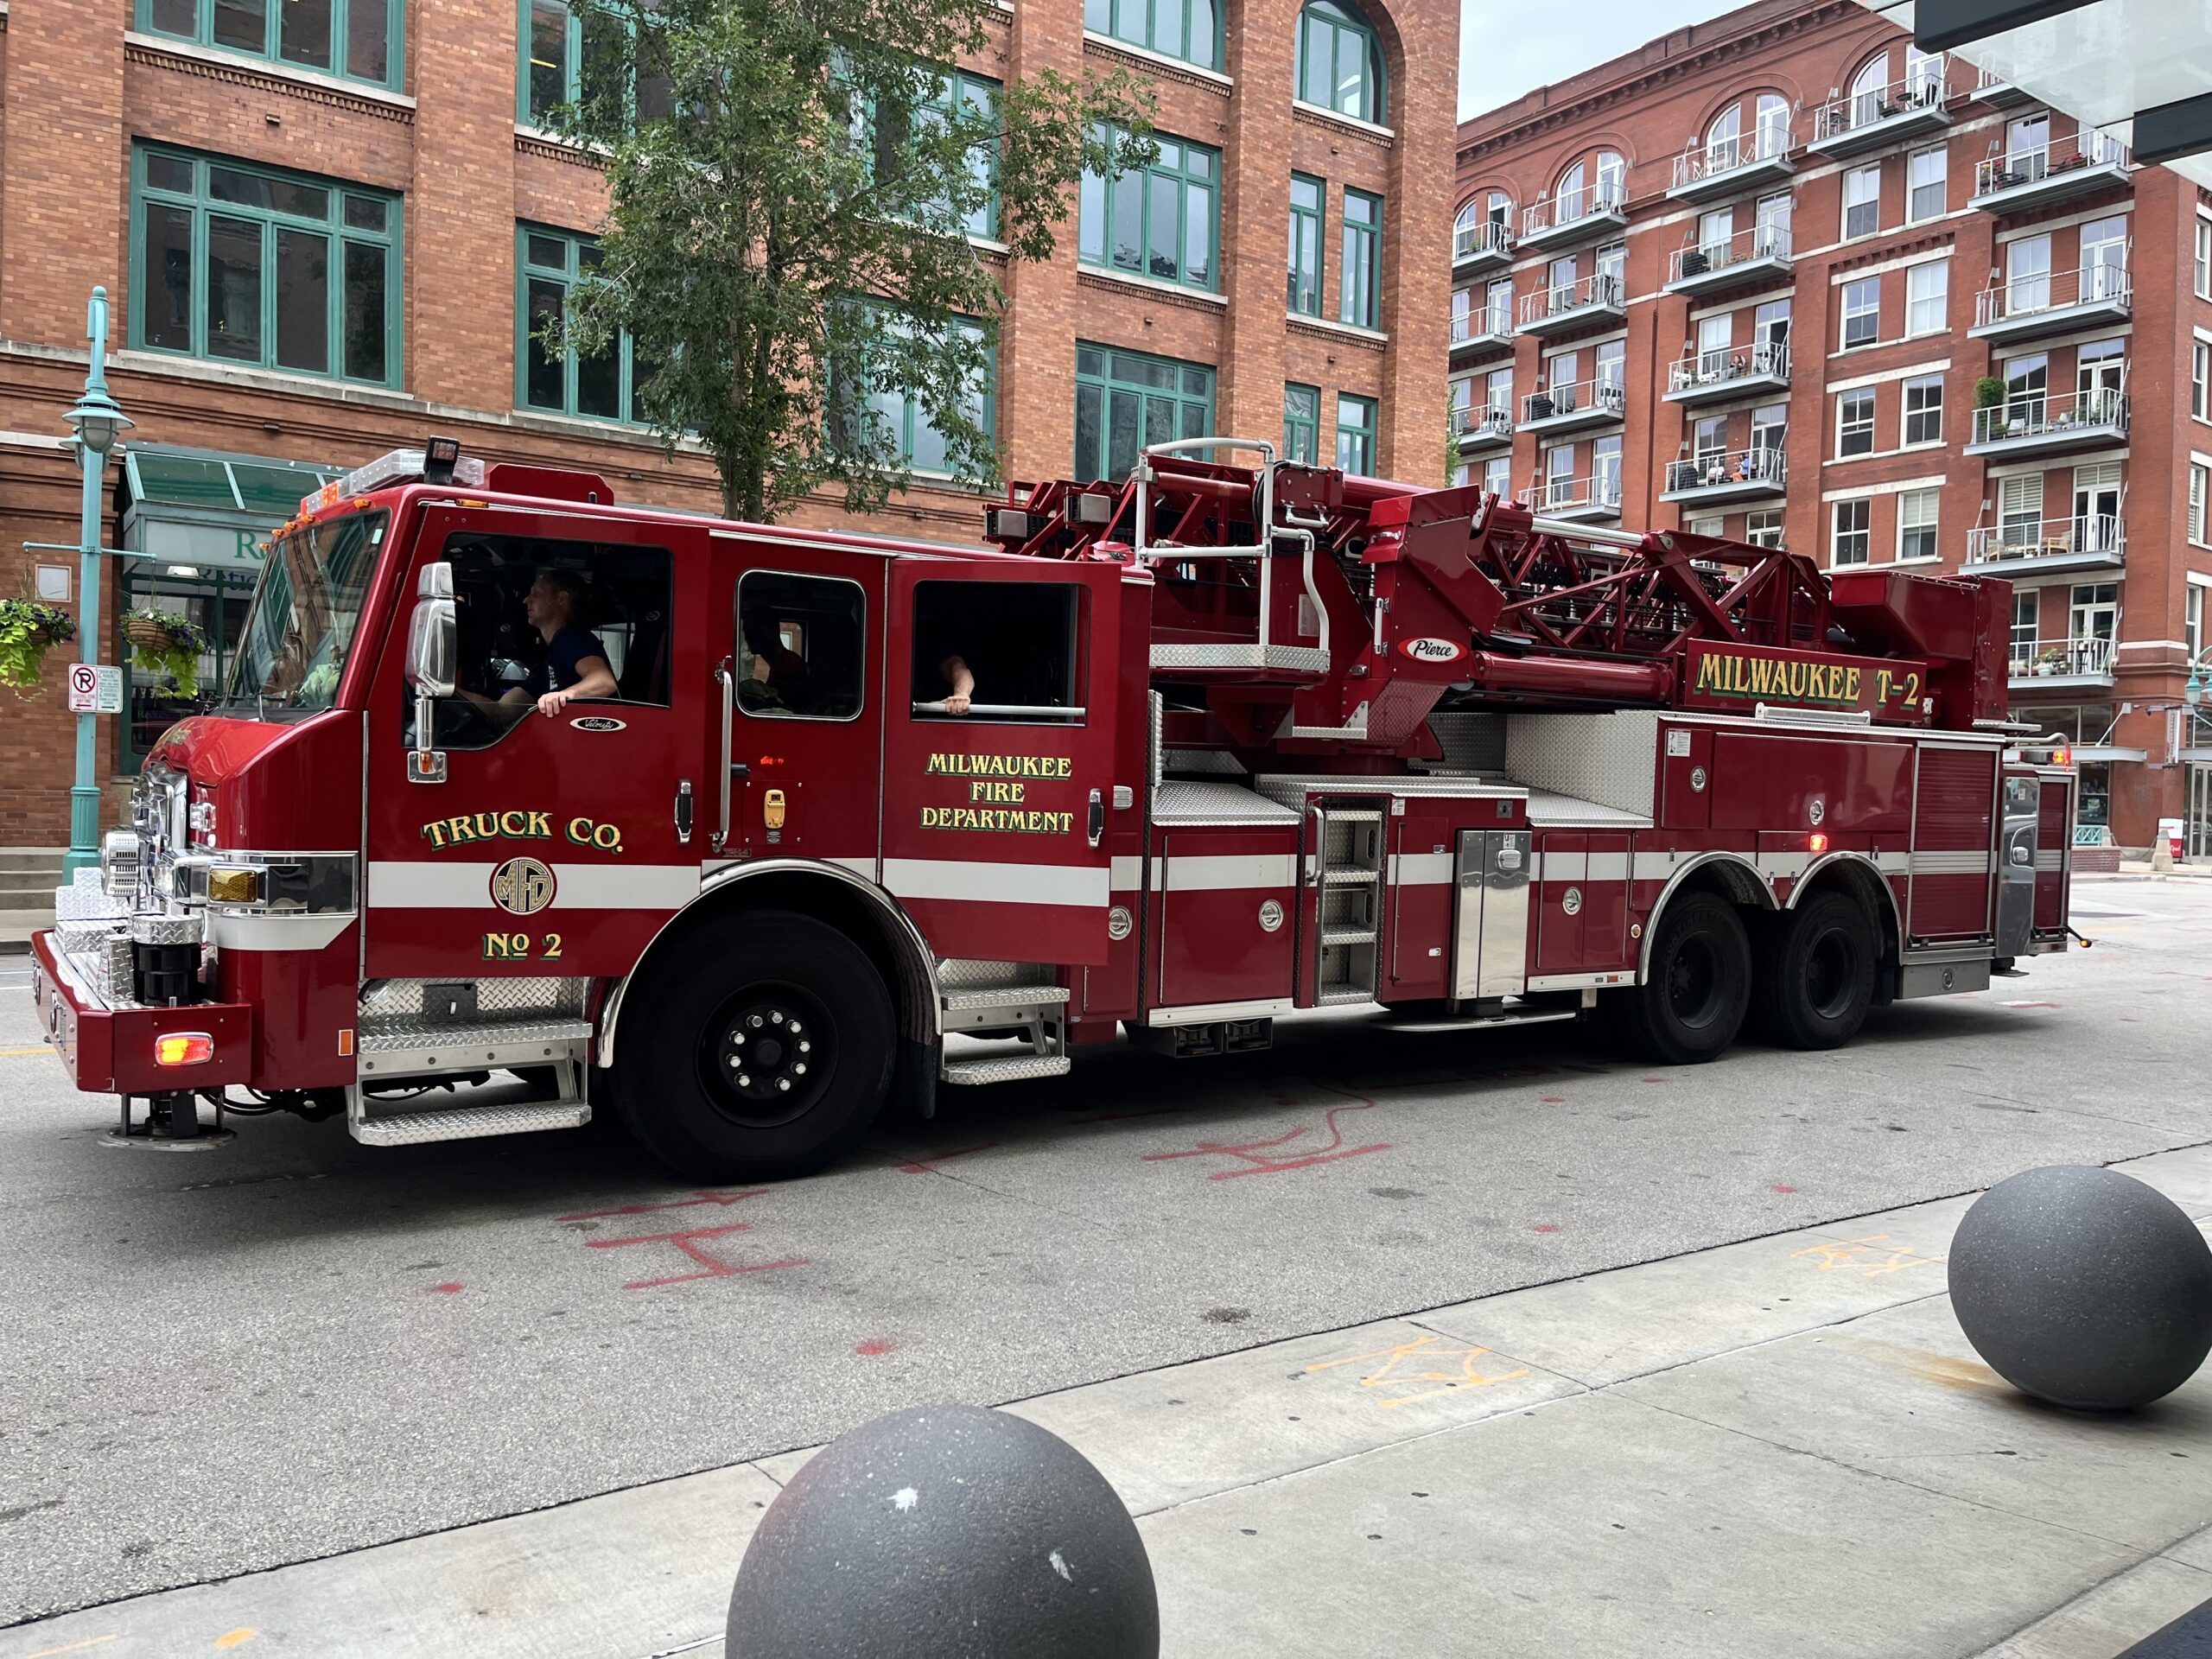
x,y
860,818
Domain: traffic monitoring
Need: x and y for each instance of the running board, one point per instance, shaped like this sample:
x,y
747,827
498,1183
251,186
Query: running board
x,y
427,1050
1013,1068
1477,1022
468,1123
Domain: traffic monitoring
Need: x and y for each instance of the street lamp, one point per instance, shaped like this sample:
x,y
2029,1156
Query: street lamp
x,y
98,423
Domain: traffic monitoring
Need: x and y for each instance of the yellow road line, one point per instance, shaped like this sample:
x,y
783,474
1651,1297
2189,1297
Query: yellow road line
x,y
11,1053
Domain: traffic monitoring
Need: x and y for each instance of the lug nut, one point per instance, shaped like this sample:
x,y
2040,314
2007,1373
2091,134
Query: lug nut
x,y
795,1027
744,1082
755,1022
806,1048
778,1019
799,1070
784,1083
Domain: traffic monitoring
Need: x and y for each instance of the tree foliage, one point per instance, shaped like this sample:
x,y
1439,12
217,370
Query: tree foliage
x,y
793,186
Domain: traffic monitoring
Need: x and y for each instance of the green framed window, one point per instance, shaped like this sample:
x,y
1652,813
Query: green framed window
x,y
1308,201
356,39
1161,221
1356,433
601,387
1301,423
276,270
903,422
566,58
1359,281
1188,29
1125,400
1339,61
967,95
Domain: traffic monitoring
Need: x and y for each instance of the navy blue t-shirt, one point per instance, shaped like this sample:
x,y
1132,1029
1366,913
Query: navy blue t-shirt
x,y
570,646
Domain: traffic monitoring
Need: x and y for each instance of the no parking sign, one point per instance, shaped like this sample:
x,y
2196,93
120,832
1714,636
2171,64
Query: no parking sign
x,y
95,688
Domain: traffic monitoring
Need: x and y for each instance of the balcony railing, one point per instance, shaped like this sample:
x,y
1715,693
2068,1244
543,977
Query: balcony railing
x,y
2096,283
2025,417
1761,242
1487,322
1608,197
2087,659
1601,290
1712,161
1921,94
1702,369
1596,496
1755,471
1992,88
2054,162
1582,401
2097,534
1483,426
1487,239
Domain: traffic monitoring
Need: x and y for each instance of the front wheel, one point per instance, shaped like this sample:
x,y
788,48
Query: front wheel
x,y
1816,973
760,1051
1692,1005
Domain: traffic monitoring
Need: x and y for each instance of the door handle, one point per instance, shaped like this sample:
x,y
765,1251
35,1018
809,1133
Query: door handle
x,y
683,812
1098,815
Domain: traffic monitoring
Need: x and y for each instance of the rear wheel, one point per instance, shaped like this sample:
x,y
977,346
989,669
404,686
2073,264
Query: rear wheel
x,y
1692,1005
760,1050
1816,970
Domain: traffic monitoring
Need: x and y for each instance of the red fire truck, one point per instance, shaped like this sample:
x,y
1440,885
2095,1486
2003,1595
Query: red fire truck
x,y
865,816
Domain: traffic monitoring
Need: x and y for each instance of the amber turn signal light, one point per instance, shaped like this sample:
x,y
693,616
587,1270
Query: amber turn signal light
x,y
183,1048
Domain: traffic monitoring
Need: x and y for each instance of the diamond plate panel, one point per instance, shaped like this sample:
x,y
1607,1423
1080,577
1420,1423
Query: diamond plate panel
x,y
1186,801
1550,811
1473,741
467,1122
463,1041
1010,1070
1005,996
969,973
399,1002
1612,760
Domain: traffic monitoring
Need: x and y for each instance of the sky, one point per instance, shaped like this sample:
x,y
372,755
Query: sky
x,y
1511,47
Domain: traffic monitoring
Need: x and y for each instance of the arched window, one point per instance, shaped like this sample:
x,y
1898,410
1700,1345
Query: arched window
x,y
1465,221
1773,125
1723,138
1500,210
1570,197
1612,180
1339,60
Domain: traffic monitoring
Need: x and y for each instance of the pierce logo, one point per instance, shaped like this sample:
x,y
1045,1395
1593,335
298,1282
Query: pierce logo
x,y
1433,649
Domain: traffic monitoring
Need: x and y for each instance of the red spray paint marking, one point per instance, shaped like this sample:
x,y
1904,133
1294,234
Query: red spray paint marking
x,y
1256,1162
1118,1117
714,1266
439,1290
1651,1079
725,1199
1545,1227
1778,1187
875,1346
928,1165
1555,1100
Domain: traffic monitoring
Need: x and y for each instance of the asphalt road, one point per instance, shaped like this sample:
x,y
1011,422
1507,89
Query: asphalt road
x,y
295,1345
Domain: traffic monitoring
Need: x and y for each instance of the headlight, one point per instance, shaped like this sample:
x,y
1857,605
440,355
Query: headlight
x,y
119,864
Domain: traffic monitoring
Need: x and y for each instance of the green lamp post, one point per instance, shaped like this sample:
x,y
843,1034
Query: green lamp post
x,y
98,423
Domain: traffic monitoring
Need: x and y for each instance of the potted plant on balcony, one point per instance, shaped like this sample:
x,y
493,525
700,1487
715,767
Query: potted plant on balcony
x,y
163,642
27,629
2050,660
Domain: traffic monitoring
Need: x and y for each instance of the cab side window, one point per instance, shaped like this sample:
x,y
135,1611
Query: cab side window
x,y
800,646
1020,642
536,614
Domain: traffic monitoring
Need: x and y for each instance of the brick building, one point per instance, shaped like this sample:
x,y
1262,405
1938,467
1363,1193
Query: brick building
x,y
1781,277
324,226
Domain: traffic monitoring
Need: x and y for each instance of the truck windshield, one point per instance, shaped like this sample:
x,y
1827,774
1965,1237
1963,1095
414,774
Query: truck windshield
x,y
304,613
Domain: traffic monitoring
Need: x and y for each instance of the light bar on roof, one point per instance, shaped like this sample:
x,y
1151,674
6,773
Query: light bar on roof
x,y
400,467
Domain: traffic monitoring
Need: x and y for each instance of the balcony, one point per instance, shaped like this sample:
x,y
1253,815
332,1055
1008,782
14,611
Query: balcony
x,y
1719,377
2044,424
1579,216
1593,501
1480,431
1596,299
1583,405
1481,333
2055,547
2049,173
1715,480
1756,255
1479,249
1732,167
2047,665
2053,303
1996,92
1903,109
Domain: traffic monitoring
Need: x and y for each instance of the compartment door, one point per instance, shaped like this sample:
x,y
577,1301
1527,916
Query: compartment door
x,y
2016,864
1490,953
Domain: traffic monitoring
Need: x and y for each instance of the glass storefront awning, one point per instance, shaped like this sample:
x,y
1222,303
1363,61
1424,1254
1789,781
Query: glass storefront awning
x,y
203,508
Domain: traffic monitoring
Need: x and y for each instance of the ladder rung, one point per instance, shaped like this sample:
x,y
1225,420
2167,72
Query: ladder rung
x,y
1332,815
1365,936
1343,878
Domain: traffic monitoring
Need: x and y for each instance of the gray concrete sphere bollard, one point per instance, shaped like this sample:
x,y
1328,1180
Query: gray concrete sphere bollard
x,y
941,1530
2083,1287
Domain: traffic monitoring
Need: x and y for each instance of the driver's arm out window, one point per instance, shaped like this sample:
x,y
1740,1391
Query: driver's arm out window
x,y
1022,642
800,642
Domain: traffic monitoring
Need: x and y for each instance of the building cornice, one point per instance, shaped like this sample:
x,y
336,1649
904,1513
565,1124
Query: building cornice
x,y
1156,65
327,90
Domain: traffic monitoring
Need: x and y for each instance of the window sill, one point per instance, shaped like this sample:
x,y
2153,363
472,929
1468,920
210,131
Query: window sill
x,y
260,379
554,141
1349,330
1367,129
1151,285
1146,55
270,67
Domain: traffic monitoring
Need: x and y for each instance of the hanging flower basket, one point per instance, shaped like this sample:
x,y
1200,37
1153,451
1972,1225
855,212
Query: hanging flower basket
x,y
27,629
163,642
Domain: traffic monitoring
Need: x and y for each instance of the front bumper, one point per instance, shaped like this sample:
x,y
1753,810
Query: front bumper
x,y
106,1041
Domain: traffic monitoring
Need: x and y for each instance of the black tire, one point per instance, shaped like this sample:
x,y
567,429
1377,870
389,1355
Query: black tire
x,y
707,1037
1693,1003
1816,973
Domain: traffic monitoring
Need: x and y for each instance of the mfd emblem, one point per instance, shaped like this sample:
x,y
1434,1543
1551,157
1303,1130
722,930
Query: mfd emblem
x,y
522,886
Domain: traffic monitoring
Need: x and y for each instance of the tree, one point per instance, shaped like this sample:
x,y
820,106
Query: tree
x,y
793,185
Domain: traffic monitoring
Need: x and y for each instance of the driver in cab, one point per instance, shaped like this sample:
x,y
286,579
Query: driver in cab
x,y
576,662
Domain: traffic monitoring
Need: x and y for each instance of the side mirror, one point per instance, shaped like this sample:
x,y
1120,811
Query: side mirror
x,y
433,634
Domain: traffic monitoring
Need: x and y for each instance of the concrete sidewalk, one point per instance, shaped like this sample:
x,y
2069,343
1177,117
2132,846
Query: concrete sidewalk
x,y
1778,1447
